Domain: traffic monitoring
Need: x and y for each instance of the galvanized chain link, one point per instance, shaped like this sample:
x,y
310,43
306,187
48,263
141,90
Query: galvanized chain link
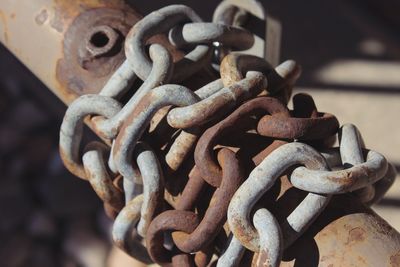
x,y
215,211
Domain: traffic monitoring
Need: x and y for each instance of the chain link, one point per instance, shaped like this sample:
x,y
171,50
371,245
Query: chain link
x,y
162,21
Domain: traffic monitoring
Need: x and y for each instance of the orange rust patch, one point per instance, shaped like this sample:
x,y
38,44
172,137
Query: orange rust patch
x,y
3,18
142,105
65,11
241,231
395,260
71,166
362,260
263,259
356,235
71,9
327,257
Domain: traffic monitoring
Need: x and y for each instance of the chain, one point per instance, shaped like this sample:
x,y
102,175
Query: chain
x,y
190,175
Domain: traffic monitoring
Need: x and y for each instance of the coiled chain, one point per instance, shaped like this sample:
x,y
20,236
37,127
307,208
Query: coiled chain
x,y
187,174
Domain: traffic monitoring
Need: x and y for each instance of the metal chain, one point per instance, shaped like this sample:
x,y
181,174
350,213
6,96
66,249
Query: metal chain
x,y
173,179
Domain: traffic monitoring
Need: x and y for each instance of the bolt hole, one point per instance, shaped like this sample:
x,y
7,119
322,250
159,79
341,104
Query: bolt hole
x,y
99,39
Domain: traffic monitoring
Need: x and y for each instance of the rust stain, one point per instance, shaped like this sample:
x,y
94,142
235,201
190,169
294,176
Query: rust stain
x,y
63,90
110,211
356,235
395,260
65,11
75,21
71,166
362,260
42,17
3,18
69,8
142,105
263,259
328,257
241,232
72,8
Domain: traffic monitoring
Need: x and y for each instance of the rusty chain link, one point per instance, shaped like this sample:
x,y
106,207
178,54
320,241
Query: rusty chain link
x,y
209,136
215,216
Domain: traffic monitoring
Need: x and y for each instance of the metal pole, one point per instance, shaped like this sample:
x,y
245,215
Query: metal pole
x,y
51,37
347,233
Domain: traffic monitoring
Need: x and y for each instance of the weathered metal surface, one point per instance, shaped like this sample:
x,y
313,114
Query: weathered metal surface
x,y
159,22
86,41
181,148
293,129
206,33
160,74
357,173
219,103
62,27
347,233
123,232
211,171
170,220
153,186
342,181
304,125
136,123
187,139
83,40
260,180
193,189
351,154
90,57
235,12
233,253
215,216
280,80
271,240
94,164
72,127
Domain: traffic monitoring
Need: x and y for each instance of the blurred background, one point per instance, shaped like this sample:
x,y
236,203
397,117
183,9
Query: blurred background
x,y
350,54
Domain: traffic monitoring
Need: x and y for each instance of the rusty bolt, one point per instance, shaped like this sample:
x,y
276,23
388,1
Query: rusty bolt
x,y
97,45
100,40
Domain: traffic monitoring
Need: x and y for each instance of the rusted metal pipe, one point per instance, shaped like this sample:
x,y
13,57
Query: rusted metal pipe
x,y
346,234
71,46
